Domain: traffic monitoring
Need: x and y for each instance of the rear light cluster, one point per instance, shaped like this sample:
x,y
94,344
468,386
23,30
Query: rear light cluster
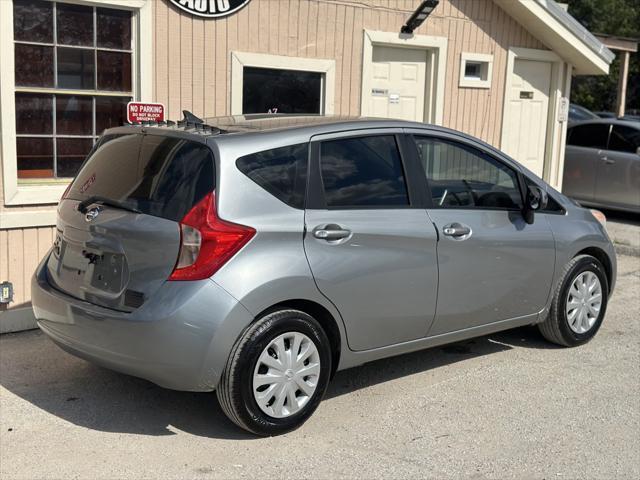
x,y
207,242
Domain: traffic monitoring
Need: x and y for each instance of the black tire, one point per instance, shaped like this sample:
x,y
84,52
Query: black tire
x,y
235,390
556,327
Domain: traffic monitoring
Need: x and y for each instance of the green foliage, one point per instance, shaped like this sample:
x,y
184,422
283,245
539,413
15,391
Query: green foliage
x,y
611,17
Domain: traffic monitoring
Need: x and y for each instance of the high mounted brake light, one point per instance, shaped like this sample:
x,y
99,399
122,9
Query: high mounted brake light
x,y
207,242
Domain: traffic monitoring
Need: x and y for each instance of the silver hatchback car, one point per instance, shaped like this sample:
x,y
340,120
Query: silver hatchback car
x,y
258,256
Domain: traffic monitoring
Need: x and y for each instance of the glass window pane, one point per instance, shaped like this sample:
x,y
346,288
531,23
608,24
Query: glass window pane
x,y
110,112
282,172
71,153
74,24
590,135
74,115
364,171
624,139
114,28
35,157
33,21
34,113
34,66
461,176
281,91
114,71
76,68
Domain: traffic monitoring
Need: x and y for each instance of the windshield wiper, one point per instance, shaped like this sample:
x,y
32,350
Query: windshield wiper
x,y
82,206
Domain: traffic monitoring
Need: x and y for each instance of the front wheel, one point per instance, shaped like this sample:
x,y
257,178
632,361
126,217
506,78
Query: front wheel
x,y
579,303
276,374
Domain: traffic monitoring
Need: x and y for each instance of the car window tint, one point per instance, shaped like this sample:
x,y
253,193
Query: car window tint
x,y
463,177
281,171
624,139
592,135
363,172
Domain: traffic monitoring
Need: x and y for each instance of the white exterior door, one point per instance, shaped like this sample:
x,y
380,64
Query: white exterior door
x,y
527,113
397,83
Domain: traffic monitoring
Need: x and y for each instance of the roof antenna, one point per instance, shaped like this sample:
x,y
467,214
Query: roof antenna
x,y
190,117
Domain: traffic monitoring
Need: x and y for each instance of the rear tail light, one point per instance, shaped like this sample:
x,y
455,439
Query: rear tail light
x,y
207,242
66,191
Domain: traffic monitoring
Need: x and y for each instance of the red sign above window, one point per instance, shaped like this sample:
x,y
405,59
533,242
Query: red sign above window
x,y
145,112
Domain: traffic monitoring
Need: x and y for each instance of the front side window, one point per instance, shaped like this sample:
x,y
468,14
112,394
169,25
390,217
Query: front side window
x,y
624,139
363,172
73,79
592,135
281,171
463,177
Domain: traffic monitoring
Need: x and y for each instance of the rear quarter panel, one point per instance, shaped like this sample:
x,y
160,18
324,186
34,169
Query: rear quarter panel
x,y
272,268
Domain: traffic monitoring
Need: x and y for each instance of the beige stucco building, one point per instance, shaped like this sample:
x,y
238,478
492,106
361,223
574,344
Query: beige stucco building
x,y
497,69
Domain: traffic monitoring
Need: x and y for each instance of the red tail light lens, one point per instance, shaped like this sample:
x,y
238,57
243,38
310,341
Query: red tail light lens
x,y
207,242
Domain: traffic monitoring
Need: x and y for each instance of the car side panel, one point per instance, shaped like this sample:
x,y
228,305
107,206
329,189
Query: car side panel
x,y
580,170
618,180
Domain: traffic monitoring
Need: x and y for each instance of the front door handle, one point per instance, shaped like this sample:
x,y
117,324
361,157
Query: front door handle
x,y
457,231
331,232
608,161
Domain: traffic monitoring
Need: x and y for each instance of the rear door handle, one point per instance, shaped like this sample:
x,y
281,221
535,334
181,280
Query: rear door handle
x,y
608,161
331,232
457,231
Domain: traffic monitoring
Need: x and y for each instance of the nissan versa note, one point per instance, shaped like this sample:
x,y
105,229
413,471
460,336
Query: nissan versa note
x,y
256,256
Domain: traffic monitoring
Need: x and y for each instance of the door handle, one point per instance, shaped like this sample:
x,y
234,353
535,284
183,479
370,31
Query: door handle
x,y
331,232
608,161
457,231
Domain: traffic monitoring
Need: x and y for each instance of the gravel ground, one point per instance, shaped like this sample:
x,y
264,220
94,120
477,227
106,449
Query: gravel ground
x,y
504,406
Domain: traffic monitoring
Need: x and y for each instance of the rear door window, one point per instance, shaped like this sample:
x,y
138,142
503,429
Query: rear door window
x,y
158,175
592,135
363,172
281,171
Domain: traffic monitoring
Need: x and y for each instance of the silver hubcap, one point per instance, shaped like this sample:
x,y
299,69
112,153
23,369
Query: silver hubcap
x,y
286,375
583,302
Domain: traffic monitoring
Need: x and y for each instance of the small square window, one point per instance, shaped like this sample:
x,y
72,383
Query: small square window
x,y
475,70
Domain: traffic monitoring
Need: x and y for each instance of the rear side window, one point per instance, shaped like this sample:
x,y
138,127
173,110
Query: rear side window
x,y
363,172
281,171
592,135
158,175
624,139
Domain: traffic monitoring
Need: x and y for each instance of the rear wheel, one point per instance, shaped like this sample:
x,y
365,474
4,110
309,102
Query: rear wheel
x,y
276,374
579,303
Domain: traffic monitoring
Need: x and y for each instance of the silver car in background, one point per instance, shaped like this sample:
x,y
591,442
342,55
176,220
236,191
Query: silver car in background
x,y
258,256
602,164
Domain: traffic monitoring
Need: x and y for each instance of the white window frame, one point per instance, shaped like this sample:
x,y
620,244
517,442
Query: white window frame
x,y
239,60
142,39
486,62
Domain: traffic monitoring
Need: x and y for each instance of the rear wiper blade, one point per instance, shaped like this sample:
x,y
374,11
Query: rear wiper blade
x,y
82,206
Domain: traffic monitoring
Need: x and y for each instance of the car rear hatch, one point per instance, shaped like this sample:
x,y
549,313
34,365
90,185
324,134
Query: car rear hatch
x,y
118,233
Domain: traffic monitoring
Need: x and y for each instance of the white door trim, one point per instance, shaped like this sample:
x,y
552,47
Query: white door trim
x,y
436,49
553,137
241,59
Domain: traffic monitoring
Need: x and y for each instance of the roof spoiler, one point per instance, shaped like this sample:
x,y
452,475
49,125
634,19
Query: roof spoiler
x,y
188,122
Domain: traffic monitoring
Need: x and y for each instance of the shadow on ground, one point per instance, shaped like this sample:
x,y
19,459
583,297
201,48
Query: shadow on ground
x,y
35,370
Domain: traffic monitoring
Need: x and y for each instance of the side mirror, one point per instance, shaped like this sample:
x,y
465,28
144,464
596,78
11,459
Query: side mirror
x,y
536,199
638,151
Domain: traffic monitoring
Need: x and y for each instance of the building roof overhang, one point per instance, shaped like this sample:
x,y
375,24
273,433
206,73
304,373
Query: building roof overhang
x,y
562,33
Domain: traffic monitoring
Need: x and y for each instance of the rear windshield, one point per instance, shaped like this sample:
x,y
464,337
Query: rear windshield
x,y
158,175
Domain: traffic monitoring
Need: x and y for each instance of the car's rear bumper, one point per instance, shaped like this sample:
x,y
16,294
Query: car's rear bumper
x,y
179,339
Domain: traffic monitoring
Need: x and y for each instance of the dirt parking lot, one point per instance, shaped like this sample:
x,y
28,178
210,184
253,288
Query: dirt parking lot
x,y
504,406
